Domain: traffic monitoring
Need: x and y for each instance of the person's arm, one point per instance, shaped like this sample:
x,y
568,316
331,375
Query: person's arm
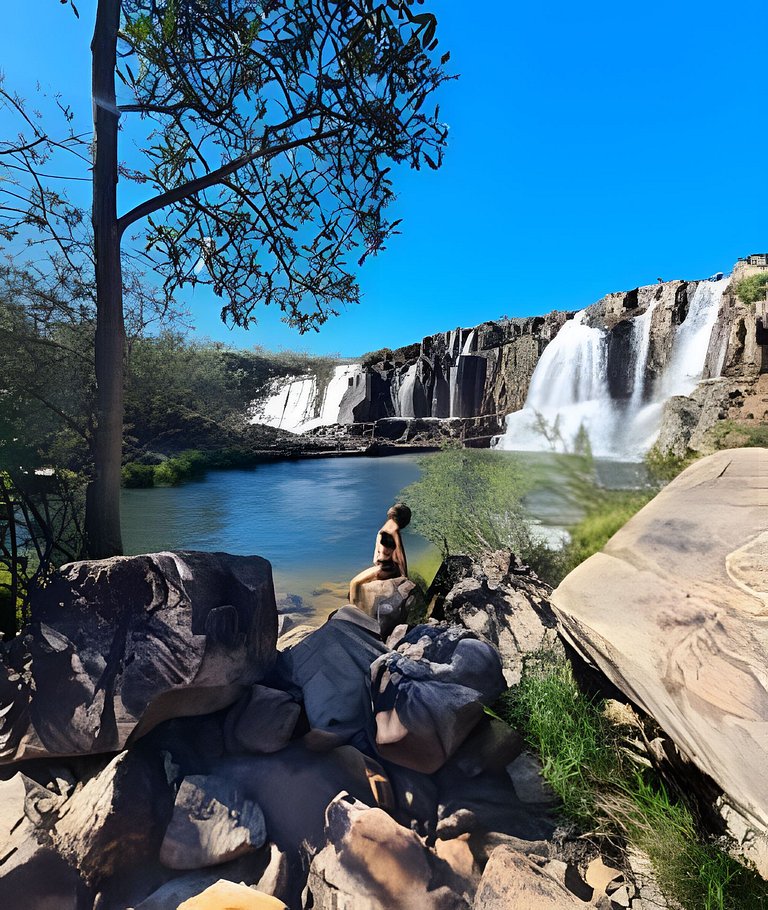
x,y
359,580
398,556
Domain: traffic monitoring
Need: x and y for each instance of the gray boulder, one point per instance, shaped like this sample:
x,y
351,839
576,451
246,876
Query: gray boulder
x,y
262,721
429,694
115,821
118,645
501,601
330,670
212,823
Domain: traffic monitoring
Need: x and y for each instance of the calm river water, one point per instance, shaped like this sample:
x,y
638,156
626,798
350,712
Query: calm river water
x,y
314,519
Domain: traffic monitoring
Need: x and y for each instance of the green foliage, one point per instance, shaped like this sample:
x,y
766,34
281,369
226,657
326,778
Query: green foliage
x,y
585,761
182,393
138,475
470,501
752,288
605,516
730,434
664,468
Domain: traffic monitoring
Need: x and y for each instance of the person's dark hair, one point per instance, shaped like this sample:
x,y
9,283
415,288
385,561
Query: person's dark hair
x,y
400,514
387,540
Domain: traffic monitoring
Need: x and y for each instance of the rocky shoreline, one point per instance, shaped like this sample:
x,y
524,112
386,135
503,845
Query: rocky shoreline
x,y
165,731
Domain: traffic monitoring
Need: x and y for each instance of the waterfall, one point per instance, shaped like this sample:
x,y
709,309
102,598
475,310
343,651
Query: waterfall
x,y
570,394
405,405
292,404
689,349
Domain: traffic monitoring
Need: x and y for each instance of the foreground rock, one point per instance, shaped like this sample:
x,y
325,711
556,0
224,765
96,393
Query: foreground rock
x,y
118,645
372,863
429,694
673,612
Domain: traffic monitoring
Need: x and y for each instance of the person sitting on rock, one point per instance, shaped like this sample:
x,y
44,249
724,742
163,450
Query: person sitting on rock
x,y
389,553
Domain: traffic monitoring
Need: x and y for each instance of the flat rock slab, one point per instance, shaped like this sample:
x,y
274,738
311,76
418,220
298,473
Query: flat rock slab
x,y
674,611
117,645
224,895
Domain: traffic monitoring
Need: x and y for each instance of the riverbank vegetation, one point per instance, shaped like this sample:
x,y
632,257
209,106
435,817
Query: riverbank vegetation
x,y
473,501
612,794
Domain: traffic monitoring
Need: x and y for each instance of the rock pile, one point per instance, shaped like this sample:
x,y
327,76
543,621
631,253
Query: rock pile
x,y
158,751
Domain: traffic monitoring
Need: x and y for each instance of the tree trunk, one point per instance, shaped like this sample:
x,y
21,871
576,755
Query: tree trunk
x,y
102,521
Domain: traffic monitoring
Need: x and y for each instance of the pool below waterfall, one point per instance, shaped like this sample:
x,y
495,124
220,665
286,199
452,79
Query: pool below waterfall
x,y
315,519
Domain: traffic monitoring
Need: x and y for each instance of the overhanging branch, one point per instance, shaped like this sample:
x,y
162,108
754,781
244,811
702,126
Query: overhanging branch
x,y
193,187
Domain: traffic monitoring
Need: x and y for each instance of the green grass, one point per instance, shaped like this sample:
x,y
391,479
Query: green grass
x,y
604,517
604,791
729,434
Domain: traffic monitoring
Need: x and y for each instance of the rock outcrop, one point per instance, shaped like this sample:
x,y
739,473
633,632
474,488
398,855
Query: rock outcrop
x,y
501,601
118,645
199,801
673,610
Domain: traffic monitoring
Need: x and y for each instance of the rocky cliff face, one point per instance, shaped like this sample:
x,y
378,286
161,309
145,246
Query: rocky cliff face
x,y
464,373
486,371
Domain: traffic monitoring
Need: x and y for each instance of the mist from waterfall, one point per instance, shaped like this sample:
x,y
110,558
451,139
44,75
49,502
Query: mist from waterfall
x,y
570,400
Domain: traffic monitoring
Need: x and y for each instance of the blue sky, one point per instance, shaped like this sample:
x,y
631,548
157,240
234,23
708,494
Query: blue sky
x,y
593,148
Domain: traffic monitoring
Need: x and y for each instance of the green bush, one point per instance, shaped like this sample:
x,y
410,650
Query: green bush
x,y
138,475
752,288
184,466
470,501
603,519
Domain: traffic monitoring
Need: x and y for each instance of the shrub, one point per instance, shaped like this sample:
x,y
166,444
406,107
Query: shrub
x,y
138,475
470,501
752,288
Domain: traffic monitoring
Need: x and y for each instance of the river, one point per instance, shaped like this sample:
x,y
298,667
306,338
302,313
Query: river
x,y
314,519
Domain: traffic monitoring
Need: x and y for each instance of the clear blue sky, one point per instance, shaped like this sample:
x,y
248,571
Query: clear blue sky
x,y
593,148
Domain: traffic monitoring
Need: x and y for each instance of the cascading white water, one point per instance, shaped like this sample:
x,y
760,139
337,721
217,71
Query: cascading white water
x,y
405,404
292,404
570,395
689,349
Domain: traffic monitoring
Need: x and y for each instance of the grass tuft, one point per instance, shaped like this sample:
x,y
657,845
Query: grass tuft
x,y
605,791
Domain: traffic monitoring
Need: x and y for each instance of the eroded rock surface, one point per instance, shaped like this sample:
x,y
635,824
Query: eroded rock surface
x,y
673,611
118,645
499,599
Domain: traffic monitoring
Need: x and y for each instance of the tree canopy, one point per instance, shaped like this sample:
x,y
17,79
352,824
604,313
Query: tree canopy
x,y
268,132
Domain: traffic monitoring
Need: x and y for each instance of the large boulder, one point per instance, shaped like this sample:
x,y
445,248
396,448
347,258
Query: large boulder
x,y
212,823
115,822
513,880
429,694
330,670
499,599
673,611
118,645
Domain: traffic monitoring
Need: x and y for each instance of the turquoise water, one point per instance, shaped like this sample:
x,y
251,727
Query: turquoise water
x,y
315,519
